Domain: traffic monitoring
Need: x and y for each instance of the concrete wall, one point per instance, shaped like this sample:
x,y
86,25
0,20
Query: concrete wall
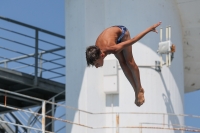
x,y
191,30
85,20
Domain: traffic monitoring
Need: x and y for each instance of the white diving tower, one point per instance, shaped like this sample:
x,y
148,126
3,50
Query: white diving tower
x,y
102,100
105,91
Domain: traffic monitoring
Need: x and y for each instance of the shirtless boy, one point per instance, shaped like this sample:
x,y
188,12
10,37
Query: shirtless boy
x,y
116,40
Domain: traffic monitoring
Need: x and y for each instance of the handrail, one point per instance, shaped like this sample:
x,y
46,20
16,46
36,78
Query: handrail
x,y
32,27
38,45
32,55
33,66
182,128
24,126
49,110
41,100
29,36
76,109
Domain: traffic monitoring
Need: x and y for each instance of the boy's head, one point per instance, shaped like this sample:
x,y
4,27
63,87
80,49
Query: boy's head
x,y
94,56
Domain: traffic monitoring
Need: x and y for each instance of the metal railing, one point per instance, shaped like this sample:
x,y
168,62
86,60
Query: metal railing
x,y
27,120
35,51
32,50
36,120
162,125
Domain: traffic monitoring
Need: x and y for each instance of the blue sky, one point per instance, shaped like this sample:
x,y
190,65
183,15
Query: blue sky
x,y
50,14
44,14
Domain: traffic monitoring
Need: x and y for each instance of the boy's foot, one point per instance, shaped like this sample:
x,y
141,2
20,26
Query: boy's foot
x,y
139,100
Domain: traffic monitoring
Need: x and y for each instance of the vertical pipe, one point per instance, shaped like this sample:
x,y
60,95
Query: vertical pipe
x,y
167,33
40,64
52,114
5,64
140,127
169,58
36,58
16,127
28,130
43,116
167,62
117,123
160,34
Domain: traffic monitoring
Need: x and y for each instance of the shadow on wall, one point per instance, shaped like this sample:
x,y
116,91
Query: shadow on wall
x,y
172,119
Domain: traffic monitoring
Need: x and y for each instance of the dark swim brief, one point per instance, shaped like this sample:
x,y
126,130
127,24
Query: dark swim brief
x,y
124,29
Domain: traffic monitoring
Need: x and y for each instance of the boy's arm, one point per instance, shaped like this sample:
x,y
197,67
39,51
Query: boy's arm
x,y
119,47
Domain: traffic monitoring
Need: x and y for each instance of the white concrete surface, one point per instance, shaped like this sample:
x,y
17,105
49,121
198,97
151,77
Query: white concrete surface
x,y
190,20
85,20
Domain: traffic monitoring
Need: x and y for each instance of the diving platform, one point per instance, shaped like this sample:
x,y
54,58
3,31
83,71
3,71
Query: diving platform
x,y
23,83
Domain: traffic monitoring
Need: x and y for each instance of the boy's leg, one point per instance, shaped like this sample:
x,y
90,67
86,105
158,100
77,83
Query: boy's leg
x,y
127,52
126,69
133,68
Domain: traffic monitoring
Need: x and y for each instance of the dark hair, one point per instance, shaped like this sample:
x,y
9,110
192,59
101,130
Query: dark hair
x,y
92,54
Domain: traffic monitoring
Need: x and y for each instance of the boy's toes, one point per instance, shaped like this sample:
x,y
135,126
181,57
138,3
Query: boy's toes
x,y
139,103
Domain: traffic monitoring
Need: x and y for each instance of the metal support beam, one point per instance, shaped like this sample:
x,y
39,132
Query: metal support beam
x,y
52,114
36,58
43,116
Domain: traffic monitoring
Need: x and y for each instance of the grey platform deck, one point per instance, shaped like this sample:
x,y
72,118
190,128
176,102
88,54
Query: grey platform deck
x,y
24,84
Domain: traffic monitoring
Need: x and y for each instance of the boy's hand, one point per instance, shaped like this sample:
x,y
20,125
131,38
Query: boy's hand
x,y
153,27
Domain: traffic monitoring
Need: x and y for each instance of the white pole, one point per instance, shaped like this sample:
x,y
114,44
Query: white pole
x,y
169,58
161,34
43,116
167,33
167,63
53,113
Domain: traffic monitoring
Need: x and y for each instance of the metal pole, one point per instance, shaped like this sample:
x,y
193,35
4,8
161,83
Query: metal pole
x,y
5,64
53,113
167,60
167,33
16,128
117,123
28,130
140,127
40,73
43,116
36,58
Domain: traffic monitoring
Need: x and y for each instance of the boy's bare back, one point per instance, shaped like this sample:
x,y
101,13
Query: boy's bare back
x,y
108,37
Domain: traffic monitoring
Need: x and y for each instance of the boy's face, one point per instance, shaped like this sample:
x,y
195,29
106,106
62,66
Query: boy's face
x,y
99,62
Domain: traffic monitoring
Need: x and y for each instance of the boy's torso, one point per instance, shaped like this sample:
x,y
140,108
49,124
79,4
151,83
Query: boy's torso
x,y
108,37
